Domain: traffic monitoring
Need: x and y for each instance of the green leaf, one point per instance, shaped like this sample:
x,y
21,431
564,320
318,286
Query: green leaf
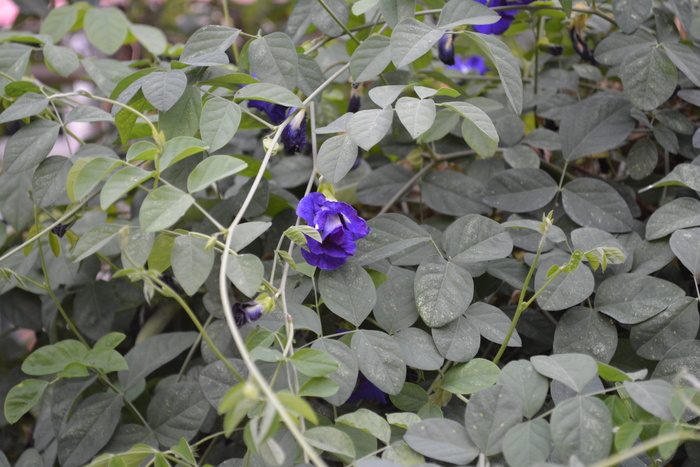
x,y
651,339
120,182
491,323
389,234
593,203
453,193
312,362
94,239
595,125
367,127
677,214
630,14
179,148
573,370
107,360
219,121
416,115
443,440
319,387
411,40
395,309
163,207
530,387
685,244
298,405
29,146
182,119
411,398
348,292
94,307
470,377
177,411
88,114
89,429
617,46
473,238
642,159
208,45
247,233
631,299
682,175
457,341
419,350
370,58
520,190
330,439
149,355
336,157
653,396
246,272
27,105
368,421
458,13
271,93
649,77
582,426
310,75
443,291
527,444
110,341
477,128
346,374
106,28
49,181
61,59
507,65
184,451
682,357
273,59
22,398
491,412
385,95
395,11
191,262
381,184
685,58
566,290
87,173
164,89
298,234
627,434
379,359
212,169
583,330
151,37
59,22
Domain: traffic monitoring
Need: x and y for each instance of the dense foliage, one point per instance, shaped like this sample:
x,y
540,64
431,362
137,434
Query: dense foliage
x,y
380,232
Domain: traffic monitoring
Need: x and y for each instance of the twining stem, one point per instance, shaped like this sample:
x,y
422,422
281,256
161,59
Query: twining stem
x,y
338,22
522,305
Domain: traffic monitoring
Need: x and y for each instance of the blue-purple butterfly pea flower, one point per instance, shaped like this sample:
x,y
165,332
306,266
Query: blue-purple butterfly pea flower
x,y
339,225
246,312
507,16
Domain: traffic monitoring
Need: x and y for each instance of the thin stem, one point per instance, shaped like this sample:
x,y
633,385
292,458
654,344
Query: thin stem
x,y
198,325
563,174
647,445
407,186
193,349
338,22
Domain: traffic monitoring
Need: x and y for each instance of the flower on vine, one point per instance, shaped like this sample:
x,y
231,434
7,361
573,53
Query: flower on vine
x,y
339,225
354,101
473,63
246,312
294,134
446,49
275,112
507,16
366,390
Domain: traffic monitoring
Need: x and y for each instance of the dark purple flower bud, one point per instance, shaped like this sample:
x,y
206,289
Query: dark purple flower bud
x,y
275,112
246,312
294,134
446,49
581,47
354,102
339,225
61,229
552,49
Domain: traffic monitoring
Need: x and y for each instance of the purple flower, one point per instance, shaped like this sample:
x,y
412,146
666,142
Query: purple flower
x,y
446,49
507,16
294,134
473,63
354,101
339,225
366,390
246,312
275,112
